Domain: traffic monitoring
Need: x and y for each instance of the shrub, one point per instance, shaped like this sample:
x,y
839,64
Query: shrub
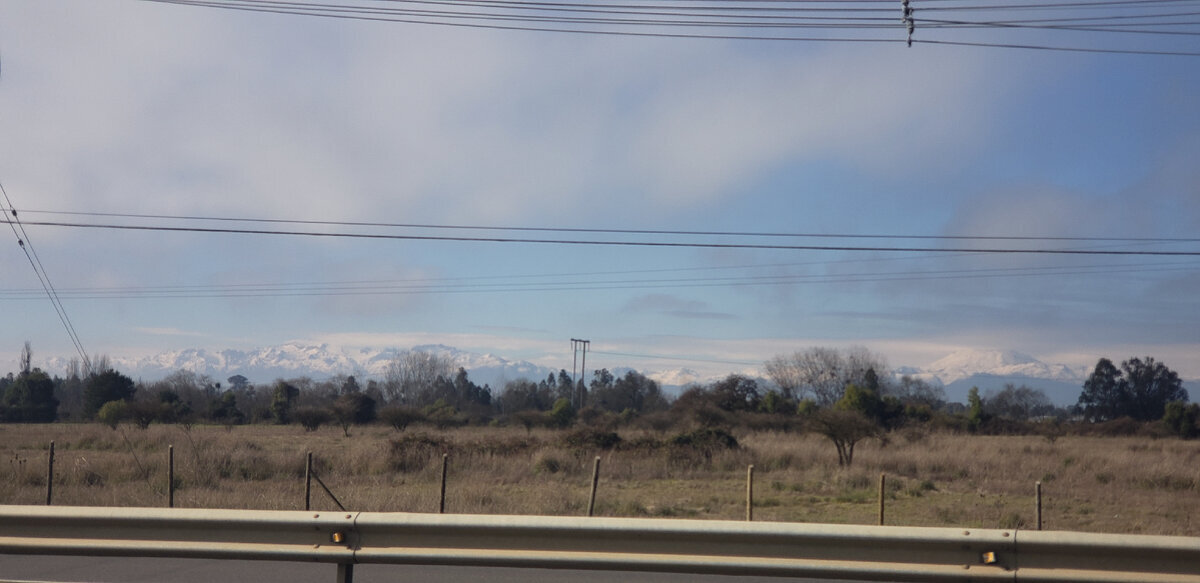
x,y
562,414
113,412
413,453
707,438
400,417
592,439
312,418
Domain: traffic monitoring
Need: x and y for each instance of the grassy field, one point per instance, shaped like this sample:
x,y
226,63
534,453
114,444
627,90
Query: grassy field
x,y
1098,484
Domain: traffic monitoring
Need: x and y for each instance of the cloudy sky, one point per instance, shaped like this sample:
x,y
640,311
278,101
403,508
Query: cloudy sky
x,y
123,107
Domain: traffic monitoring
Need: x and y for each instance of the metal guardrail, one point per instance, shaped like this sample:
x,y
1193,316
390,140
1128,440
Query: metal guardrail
x,y
868,553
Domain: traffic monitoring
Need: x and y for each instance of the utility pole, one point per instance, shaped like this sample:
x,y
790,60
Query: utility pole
x,y
576,393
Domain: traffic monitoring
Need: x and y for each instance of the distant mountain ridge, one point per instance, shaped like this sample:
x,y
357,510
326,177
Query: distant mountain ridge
x,y
957,372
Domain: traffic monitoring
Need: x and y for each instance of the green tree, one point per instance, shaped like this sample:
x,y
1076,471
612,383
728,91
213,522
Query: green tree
x,y
282,401
1141,389
975,412
633,392
1103,398
523,395
30,398
1151,385
1182,419
845,429
352,408
736,393
104,387
225,410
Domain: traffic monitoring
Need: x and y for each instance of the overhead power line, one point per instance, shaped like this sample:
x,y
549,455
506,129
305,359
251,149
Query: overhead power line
x,y
1075,26
619,243
511,228
560,282
678,358
26,244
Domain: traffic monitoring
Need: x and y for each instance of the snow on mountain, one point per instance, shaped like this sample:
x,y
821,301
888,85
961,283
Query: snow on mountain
x,y
1001,363
957,372
679,377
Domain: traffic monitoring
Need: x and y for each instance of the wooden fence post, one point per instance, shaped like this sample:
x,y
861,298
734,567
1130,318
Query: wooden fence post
x,y
442,504
882,493
750,493
1038,512
308,483
170,476
50,476
595,481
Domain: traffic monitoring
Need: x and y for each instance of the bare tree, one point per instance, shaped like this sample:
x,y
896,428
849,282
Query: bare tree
x,y
824,372
26,358
1020,403
412,374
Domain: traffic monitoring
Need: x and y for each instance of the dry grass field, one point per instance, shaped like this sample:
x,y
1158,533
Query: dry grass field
x,y
1097,484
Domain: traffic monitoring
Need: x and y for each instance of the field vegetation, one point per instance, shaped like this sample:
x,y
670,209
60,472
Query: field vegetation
x,y
1090,483
819,433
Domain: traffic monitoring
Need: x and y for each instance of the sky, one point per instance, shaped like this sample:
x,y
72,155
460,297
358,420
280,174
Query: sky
x,y
124,107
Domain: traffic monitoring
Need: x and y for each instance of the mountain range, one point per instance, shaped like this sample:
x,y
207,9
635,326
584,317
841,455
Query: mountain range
x,y
957,372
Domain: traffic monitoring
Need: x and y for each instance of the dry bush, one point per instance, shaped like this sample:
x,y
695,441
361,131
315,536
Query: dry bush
x,y
1104,484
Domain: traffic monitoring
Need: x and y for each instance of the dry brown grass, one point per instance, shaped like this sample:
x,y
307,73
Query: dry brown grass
x,y
1123,485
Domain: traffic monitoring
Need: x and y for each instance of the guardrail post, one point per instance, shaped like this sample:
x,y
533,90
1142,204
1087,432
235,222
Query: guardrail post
x,y
882,493
308,483
345,573
595,481
170,476
750,493
442,503
50,475
1038,496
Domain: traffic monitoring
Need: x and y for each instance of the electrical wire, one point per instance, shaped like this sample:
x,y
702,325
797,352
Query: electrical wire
x,y
590,282
620,243
39,269
771,234
676,358
758,20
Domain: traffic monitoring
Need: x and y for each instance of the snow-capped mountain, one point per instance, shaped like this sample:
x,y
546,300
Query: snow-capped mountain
x,y
991,370
957,372
1003,363
320,361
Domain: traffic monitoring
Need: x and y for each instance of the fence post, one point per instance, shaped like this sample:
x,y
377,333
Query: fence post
x,y
1038,492
308,483
442,504
882,492
170,476
50,476
750,493
595,481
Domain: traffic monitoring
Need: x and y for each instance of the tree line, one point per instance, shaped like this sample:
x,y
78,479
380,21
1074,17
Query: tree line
x,y
847,395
